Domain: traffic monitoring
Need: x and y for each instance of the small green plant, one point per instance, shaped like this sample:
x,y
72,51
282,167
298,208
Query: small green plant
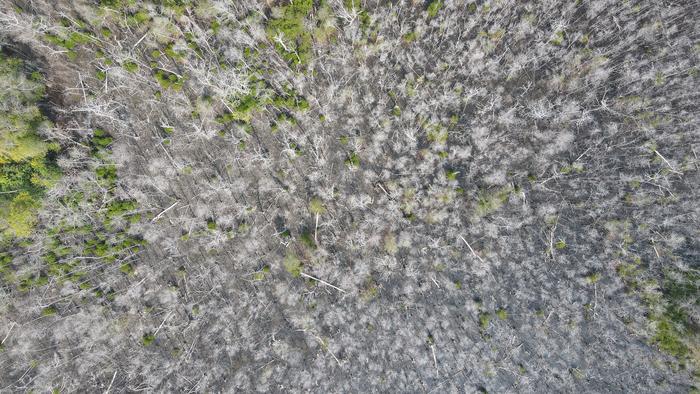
x,y
433,8
139,18
307,238
558,38
502,314
484,320
560,244
49,311
168,80
316,206
489,202
353,160
148,339
130,66
370,290
451,175
593,278
126,268
409,37
292,265
437,134
577,373
260,275
107,175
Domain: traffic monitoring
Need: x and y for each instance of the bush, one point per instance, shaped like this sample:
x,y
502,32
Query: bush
x,y
26,166
291,26
434,7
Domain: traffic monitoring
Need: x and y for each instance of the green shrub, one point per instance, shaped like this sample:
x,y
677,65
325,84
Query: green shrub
x,y
49,311
126,268
434,7
489,202
291,26
484,320
502,314
409,37
292,265
168,80
26,166
130,66
148,339
353,160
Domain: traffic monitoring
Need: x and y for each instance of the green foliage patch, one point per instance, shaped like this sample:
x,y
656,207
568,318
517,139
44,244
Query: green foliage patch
x,y
296,45
27,166
434,8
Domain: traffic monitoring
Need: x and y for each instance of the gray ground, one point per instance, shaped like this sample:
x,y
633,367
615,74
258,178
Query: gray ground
x,y
495,197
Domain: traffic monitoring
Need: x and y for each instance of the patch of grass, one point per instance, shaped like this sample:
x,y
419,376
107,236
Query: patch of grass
x,y
668,337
